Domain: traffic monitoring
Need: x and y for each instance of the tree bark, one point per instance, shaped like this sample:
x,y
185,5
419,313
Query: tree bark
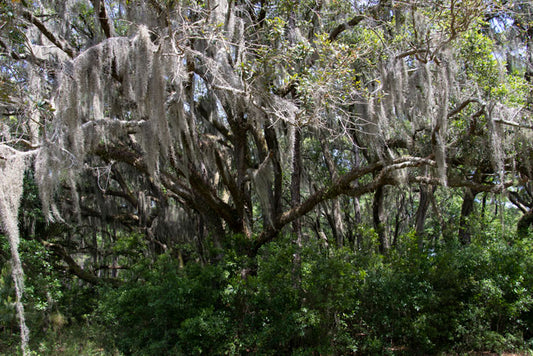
x,y
421,213
378,217
296,177
465,236
337,225
357,218
273,146
240,151
105,23
400,206
523,225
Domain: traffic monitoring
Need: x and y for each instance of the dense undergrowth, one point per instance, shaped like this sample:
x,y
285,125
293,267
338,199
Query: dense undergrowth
x,y
450,298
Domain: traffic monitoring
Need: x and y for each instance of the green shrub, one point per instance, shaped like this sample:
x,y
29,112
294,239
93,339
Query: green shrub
x,y
329,301
452,298
168,308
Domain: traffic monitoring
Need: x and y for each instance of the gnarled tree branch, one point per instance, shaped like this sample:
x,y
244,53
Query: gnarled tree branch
x,y
56,40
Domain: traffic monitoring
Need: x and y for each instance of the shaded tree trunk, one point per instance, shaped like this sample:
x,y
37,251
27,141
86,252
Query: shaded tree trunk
x,y
273,146
357,220
336,222
421,213
467,208
523,225
296,178
338,226
240,151
356,203
400,210
378,217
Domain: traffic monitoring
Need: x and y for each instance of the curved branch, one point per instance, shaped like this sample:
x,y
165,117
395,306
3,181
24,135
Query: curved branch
x,y
75,268
339,186
461,106
353,22
59,42
344,26
342,185
515,199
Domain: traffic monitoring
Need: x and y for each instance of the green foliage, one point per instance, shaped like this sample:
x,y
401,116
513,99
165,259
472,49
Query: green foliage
x,y
8,321
305,307
43,290
76,339
478,53
169,309
451,298
11,29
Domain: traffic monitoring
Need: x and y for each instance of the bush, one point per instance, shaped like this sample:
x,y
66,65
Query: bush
x,y
453,298
168,308
333,301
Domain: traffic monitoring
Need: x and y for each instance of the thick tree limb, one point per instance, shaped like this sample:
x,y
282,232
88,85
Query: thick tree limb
x,y
125,189
461,106
123,194
59,42
105,23
129,126
415,51
454,182
75,268
121,155
340,186
344,26
15,152
169,181
16,56
203,191
353,22
515,199
127,220
514,124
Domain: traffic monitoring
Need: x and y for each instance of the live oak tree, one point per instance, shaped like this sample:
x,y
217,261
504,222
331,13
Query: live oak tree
x,y
194,122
